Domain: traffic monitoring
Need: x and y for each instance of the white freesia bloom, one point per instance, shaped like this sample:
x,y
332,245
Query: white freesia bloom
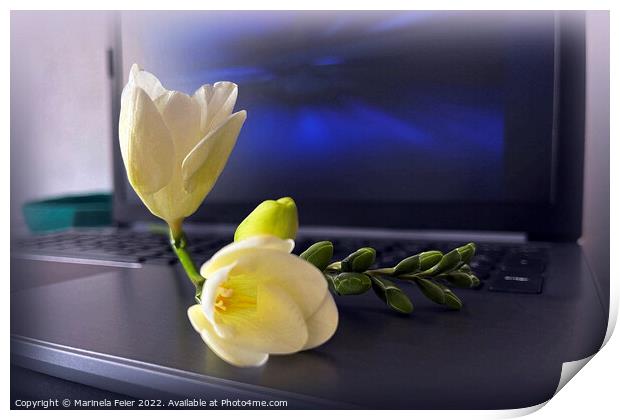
x,y
174,145
259,299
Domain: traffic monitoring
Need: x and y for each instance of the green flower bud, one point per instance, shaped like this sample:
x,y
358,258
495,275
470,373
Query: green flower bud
x,y
319,254
461,279
329,277
389,293
432,290
429,258
271,217
359,261
467,252
450,261
408,265
465,268
452,300
351,283
417,263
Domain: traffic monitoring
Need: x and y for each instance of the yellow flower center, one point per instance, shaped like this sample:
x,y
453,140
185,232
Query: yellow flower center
x,y
226,298
223,298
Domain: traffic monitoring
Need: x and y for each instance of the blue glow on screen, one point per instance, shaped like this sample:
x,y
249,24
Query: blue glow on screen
x,y
336,145
349,106
328,61
241,74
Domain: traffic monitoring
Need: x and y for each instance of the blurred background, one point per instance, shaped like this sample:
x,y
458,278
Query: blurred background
x,y
61,107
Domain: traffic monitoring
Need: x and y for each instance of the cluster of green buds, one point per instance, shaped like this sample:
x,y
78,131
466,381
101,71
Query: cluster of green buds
x,y
430,271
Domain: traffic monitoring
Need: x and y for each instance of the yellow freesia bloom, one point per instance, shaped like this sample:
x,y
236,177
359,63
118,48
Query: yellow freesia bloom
x,y
174,145
258,300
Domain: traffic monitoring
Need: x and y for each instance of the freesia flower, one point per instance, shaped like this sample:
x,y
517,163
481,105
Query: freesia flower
x,y
258,299
174,145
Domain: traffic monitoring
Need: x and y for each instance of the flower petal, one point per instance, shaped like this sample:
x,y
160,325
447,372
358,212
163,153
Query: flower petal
x,y
234,250
232,354
182,117
209,292
221,103
225,350
146,144
202,96
322,325
276,325
207,159
146,81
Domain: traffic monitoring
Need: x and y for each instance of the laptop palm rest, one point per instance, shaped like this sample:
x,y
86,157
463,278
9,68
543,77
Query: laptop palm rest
x,y
127,329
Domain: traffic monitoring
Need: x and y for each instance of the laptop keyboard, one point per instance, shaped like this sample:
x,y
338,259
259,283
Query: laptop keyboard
x,y
501,267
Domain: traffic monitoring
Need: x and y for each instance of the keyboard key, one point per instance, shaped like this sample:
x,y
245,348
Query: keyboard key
x,y
531,265
162,260
147,254
481,272
516,283
492,255
477,266
482,260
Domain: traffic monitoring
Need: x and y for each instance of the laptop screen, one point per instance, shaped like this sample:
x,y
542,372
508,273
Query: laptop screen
x,y
427,107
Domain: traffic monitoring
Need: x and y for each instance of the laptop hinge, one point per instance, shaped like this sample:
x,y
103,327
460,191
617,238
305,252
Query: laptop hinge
x,y
380,233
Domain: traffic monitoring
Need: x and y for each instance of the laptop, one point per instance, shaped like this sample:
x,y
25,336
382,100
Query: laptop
x,y
404,131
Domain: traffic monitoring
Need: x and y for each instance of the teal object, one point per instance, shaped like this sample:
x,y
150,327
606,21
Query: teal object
x,y
69,211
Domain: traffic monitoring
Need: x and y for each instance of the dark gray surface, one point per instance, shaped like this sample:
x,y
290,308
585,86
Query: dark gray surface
x,y
34,273
29,385
126,330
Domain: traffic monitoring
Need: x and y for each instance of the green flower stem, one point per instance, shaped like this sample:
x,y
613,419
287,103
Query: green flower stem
x,y
176,229
413,277
428,270
178,241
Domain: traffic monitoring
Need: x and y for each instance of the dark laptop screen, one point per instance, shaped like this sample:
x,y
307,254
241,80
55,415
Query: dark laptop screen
x,y
369,106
